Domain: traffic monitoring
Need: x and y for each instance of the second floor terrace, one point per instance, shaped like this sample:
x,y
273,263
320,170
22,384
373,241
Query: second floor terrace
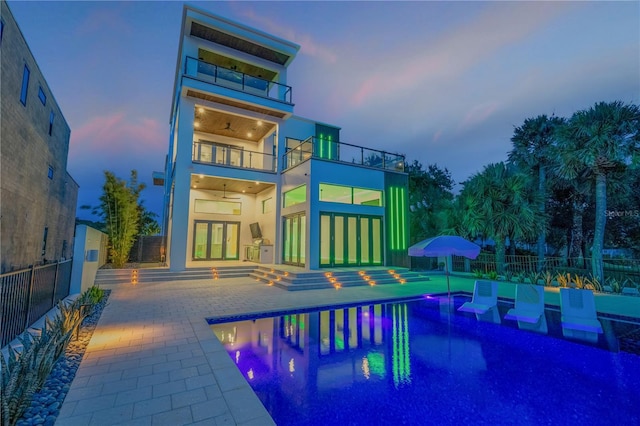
x,y
234,79
213,153
324,148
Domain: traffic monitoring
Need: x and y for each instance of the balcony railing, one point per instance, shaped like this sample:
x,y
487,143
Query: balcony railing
x,y
221,155
236,80
344,153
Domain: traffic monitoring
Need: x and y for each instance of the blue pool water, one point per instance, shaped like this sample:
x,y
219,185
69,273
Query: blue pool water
x,y
417,362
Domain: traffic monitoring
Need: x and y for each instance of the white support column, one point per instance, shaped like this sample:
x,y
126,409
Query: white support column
x,y
182,182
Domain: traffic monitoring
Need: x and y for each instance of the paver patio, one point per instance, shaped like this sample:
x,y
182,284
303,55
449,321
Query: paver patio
x,y
154,360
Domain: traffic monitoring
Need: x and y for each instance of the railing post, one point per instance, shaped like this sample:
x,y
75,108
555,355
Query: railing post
x,y
250,165
55,284
28,310
362,156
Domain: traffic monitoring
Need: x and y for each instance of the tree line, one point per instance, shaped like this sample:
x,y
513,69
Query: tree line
x,y
572,184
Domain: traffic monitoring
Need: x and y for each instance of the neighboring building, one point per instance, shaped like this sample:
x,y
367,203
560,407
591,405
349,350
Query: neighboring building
x,y
38,197
246,179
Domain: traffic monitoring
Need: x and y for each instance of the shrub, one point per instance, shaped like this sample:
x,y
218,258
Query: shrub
x,y
477,273
534,277
24,372
508,275
493,275
547,277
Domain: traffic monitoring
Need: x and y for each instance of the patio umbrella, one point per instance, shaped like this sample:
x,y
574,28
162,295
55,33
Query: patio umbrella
x,y
445,245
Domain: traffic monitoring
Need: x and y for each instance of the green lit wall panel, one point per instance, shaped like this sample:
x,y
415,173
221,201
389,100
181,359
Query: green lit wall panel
x,y
396,220
326,142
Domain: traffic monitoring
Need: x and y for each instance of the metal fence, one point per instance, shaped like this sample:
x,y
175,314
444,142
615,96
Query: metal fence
x,y
618,269
28,294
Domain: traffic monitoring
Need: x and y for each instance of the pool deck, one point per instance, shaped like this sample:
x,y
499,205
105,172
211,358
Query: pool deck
x,y
154,360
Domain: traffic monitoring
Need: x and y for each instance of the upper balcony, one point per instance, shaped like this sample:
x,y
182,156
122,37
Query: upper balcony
x,y
341,152
236,80
216,154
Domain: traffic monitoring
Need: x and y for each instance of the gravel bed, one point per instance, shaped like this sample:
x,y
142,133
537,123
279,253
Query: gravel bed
x,y
45,405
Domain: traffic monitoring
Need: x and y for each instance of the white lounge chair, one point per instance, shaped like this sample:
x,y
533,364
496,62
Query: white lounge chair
x,y
579,318
630,288
529,308
484,302
485,297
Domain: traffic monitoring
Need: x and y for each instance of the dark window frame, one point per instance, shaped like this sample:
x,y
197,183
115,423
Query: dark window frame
x,y
50,173
42,96
52,116
26,73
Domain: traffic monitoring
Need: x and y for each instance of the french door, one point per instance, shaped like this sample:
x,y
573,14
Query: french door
x,y
350,240
213,240
294,239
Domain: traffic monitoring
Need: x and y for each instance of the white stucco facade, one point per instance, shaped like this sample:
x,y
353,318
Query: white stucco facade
x,y
239,159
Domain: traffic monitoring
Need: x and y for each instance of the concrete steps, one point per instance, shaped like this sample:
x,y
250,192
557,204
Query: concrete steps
x,y
308,280
125,276
271,274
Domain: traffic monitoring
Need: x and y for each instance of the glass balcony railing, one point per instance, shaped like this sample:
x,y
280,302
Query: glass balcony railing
x,y
344,153
236,80
216,154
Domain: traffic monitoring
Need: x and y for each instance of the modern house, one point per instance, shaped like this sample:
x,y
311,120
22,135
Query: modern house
x,y
38,196
247,180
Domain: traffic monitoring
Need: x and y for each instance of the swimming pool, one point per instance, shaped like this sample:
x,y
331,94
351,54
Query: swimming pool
x,y
417,362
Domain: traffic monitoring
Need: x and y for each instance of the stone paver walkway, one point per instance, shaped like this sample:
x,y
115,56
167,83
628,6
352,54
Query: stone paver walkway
x,y
154,360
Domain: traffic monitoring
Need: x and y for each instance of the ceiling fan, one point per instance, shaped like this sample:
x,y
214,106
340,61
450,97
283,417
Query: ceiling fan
x,y
228,127
224,193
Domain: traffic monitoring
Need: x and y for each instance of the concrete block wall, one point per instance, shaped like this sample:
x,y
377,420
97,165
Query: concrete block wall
x,y
30,201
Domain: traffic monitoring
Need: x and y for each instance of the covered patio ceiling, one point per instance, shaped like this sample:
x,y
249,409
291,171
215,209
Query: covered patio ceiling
x,y
236,186
230,125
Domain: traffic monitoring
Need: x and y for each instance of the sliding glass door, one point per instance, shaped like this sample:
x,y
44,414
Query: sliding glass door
x,y
350,240
216,240
294,239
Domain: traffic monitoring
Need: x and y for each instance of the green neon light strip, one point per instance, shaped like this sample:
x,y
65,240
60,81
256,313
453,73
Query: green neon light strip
x,y
329,148
398,218
391,219
403,243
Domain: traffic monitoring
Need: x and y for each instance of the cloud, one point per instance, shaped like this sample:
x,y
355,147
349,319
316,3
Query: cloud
x,y
479,114
457,51
119,142
104,20
117,133
308,45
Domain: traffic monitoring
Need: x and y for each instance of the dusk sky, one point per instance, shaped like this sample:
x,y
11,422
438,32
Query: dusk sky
x,y
441,82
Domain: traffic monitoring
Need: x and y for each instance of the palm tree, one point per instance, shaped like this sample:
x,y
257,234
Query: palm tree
x,y
602,140
498,204
533,148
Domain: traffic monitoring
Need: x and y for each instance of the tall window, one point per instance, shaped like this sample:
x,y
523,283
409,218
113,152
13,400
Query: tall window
x,y
1,30
51,117
25,85
50,173
42,96
44,241
267,205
